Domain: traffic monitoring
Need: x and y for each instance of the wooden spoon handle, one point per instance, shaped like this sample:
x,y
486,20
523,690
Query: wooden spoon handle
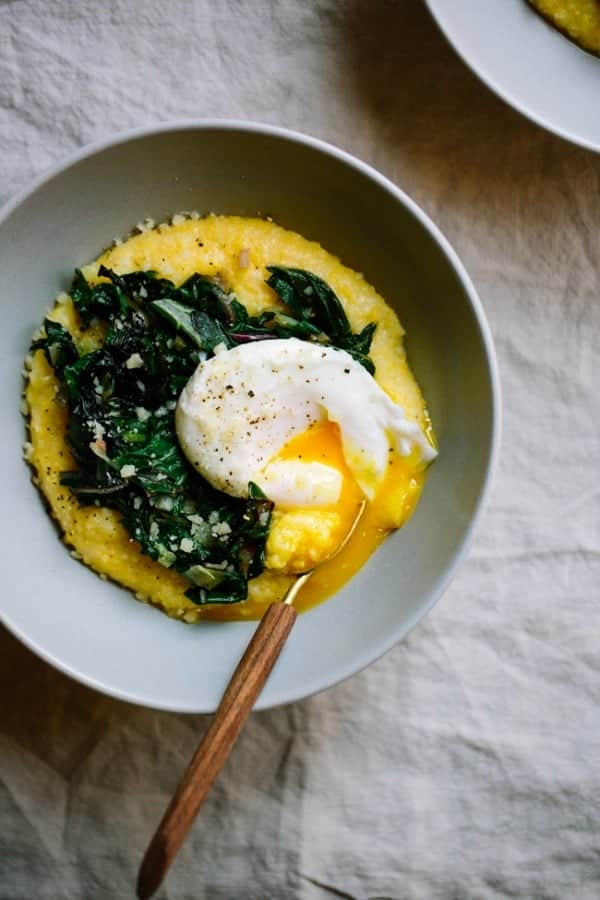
x,y
240,695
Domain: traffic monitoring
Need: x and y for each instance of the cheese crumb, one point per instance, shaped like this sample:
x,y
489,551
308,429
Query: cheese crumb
x,y
186,545
128,471
221,528
135,361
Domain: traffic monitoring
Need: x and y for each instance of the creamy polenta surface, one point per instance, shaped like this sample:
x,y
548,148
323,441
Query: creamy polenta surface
x,y
578,19
237,251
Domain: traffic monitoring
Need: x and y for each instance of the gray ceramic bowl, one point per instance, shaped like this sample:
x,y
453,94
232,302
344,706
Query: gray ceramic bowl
x,y
528,63
97,632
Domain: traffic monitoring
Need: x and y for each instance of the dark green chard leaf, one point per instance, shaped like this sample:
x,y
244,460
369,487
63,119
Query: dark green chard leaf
x,y
284,326
154,454
196,325
314,304
58,345
310,298
81,291
102,301
359,345
361,342
140,286
88,488
208,296
210,331
231,587
121,429
180,317
251,531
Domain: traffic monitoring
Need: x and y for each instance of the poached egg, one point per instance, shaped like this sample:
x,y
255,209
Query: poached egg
x,y
241,414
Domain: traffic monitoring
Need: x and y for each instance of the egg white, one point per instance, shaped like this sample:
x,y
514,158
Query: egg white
x,y
243,405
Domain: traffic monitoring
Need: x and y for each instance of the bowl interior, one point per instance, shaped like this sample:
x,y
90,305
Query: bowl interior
x,y
93,629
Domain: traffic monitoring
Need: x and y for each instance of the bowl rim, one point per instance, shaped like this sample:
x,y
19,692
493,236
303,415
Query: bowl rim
x,y
478,69
397,634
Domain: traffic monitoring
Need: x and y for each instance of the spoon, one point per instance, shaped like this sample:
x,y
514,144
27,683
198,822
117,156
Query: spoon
x,y
236,704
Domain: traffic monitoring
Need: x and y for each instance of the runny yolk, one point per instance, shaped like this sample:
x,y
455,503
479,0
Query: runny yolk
x,y
322,443
391,507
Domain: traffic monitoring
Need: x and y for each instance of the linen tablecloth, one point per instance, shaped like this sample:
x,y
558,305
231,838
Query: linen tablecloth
x,y
466,762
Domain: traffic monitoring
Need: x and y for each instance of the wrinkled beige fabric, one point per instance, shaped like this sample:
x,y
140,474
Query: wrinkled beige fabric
x,y
464,764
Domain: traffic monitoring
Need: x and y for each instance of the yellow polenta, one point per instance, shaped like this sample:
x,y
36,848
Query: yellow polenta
x,y
238,251
579,19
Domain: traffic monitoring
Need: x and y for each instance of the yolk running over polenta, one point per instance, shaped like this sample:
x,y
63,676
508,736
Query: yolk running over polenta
x,y
238,250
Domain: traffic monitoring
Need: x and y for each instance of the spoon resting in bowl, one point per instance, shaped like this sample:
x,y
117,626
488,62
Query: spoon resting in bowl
x,y
236,704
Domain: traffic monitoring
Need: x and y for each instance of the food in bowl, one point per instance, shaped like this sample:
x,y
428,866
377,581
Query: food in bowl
x,y
578,19
209,405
